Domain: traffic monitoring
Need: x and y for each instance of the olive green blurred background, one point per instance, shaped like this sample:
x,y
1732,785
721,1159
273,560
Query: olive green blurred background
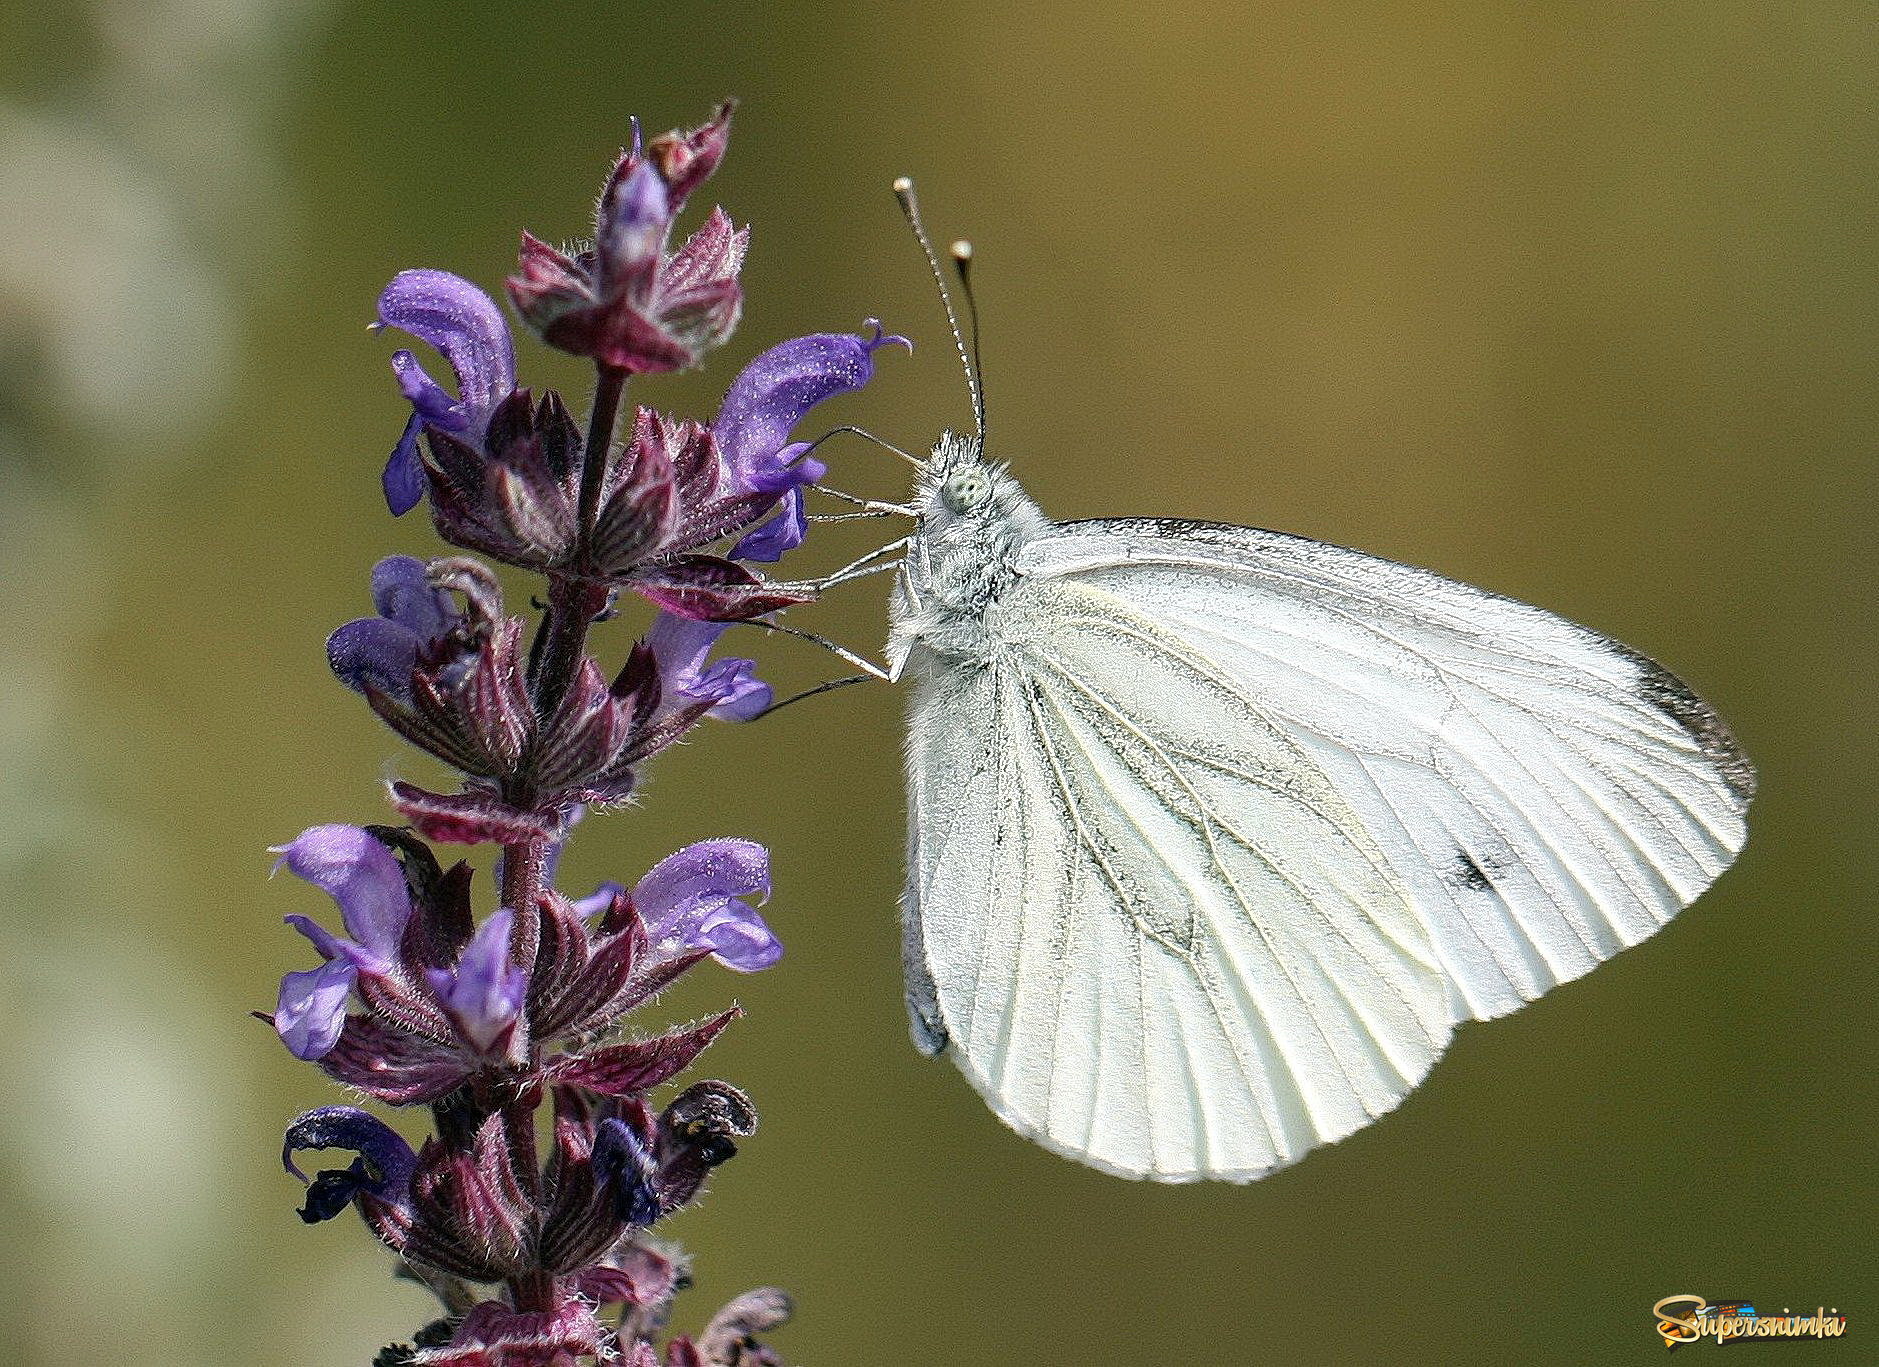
x,y
1573,301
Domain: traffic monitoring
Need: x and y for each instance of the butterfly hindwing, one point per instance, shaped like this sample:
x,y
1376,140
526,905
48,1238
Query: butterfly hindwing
x,y
1157,938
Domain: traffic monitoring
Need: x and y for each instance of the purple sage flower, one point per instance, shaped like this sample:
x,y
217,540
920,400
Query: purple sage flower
x,y
693,900
763,405
463,323
681,647
381,652
367,882
483,994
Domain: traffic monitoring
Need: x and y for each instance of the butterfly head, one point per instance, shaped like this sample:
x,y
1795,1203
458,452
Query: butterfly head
x,y
960,492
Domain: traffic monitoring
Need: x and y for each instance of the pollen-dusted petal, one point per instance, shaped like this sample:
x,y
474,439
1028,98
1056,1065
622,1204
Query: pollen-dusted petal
x,y
312,1009
709,871
464,324
362,876
776,390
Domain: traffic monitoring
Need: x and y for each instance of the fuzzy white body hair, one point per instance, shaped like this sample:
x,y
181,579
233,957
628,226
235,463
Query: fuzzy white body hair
x,y
959,559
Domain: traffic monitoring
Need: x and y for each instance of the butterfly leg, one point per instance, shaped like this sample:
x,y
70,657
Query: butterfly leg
x,y
829,687
873,670
863,567
873,507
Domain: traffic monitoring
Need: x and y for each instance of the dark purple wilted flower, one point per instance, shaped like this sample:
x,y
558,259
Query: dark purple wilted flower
x,y
414,619
463,323
691,900
381,1172
367,882
626,301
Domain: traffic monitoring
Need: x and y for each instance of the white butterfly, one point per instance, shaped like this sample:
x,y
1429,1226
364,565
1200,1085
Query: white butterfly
x,y
1216,834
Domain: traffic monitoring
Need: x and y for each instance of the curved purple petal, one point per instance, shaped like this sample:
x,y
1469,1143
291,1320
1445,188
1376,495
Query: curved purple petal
x,y
776,390
741,695
312,1008
701,877
403,479
785,530
362,876
431,402
484,993
464,324
738,938
374,651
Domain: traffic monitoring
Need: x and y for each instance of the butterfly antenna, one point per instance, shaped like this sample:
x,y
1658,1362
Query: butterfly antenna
x,y
962,266
910,206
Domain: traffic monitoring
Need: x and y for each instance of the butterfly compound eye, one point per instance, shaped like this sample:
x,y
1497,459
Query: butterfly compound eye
x,y
965,490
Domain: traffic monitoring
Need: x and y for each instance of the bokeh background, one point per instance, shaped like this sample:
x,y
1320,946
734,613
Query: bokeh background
x,y
1573,301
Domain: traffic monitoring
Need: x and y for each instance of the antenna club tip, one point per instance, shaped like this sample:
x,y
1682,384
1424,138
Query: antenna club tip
x,y
903,185
962,250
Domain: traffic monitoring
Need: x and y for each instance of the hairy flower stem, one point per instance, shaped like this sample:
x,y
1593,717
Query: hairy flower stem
x,y
573,600
573,603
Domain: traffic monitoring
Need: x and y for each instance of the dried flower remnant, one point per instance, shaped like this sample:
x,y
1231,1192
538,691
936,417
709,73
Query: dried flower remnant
x,y
550,1252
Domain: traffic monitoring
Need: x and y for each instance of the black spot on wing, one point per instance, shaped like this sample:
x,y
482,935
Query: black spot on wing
x,y
1466,872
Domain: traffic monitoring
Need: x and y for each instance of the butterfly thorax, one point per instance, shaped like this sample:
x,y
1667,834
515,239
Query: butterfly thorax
x,y
974,519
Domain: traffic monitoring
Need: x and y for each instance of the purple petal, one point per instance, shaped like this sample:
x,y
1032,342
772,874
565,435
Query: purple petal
x,y
700,877
330,945
312,1008
431,402
784,531
680,646
403,593
738,938
374,651
403,480
598,901
733,681
464,324
484,993
362,876
776,390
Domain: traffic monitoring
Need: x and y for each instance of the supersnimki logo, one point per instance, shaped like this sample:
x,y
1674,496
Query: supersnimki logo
x,y
1689,1319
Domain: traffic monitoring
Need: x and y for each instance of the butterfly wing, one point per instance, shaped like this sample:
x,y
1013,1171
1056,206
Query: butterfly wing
x,y
1140,917
1543,795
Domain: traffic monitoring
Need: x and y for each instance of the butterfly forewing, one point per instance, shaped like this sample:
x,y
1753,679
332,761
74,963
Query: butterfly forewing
x,y
1543,795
